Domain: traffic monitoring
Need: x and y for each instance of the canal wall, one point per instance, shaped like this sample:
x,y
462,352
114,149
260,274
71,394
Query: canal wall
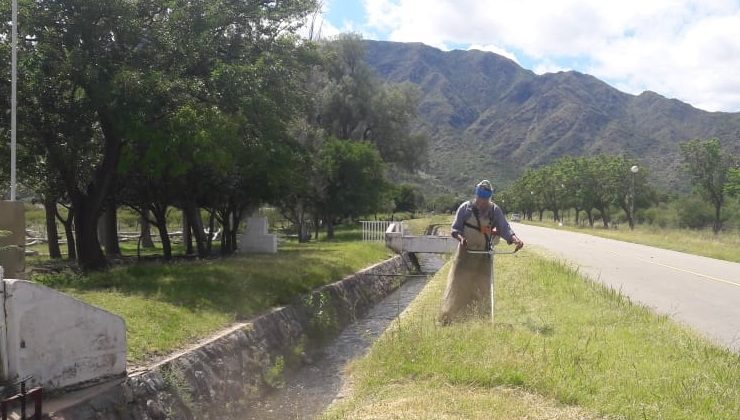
x,y
218,379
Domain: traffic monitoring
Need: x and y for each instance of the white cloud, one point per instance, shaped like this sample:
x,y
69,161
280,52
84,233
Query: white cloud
x,y
689,49
321,27
495,49
548,66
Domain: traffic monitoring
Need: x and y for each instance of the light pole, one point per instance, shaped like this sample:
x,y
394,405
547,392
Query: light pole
x,y
634,169
13,91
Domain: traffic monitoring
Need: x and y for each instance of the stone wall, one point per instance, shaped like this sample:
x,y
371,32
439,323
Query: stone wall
x,y
218,379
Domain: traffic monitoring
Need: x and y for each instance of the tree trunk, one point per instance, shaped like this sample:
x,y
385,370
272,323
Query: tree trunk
x,y
110,232
52,235
590,215
303,234
90,255
196,223
226,235
604,217
556,214
578,212
146,231
68,224
225,232
329,228
88,203
211,228
717,226
187,237
316,227
235,230
161,218
541,212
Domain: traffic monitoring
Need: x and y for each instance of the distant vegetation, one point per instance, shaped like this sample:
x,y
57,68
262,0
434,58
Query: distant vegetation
x,y
600,185
212,108
487,117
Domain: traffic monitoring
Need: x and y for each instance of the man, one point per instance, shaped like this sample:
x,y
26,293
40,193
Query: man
x,y
477,224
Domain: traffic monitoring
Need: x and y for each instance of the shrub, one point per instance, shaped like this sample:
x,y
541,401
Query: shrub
x,y
694,213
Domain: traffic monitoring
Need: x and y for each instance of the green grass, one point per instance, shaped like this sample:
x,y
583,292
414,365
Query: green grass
x,y
167,306
725,246
562,347
418,226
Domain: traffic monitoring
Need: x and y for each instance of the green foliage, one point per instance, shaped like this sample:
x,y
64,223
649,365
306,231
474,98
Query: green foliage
x,y
487,117
175,379
444,203
353,104
166,306
661,215
584,183
694,213
323,318
274,374
733,182
408,198
176,102
353,177
557,337
708,165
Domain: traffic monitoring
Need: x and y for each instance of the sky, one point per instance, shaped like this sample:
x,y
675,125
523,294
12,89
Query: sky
x,y
683,49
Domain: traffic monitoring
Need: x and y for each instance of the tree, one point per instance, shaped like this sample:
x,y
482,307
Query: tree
x,y
733,182
354,105
708,165
133,65
355,183
408,198
631,190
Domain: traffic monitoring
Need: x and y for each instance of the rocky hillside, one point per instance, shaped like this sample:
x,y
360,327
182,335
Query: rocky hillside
x,y
486,116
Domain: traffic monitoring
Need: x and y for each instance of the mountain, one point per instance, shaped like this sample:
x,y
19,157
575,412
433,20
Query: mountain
x,y
488,117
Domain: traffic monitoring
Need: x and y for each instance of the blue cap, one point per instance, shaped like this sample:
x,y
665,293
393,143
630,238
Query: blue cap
x,y
483,192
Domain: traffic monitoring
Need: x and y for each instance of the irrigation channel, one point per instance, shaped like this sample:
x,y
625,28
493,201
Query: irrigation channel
x,y
309,390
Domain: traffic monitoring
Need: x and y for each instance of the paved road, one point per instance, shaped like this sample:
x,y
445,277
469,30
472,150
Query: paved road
x,y
701,292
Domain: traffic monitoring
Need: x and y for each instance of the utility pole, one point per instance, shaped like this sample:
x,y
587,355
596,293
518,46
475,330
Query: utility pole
x,y
634,169
13,98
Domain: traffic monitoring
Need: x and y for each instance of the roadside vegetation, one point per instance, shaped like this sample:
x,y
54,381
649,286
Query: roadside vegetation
x,y
561,347
168,306
698,242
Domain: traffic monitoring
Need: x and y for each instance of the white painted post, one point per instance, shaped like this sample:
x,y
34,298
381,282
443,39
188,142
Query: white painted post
x,y
3,333
13,96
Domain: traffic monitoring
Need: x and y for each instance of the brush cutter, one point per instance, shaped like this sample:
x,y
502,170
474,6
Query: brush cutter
x,y
491,252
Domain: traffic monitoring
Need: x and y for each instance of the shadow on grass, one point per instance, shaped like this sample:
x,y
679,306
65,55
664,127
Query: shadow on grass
x,y
240,286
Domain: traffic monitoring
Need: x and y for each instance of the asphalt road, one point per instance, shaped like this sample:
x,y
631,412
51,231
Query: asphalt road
x,y
701,292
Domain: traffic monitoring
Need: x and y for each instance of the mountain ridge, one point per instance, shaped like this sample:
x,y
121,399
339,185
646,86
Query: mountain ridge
x,y
486,116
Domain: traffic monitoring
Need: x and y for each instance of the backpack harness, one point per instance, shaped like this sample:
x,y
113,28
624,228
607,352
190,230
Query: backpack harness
x,y
489,232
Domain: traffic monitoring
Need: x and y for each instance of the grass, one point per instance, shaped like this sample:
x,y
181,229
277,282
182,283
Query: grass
x,y
418,226
562,347
725,246
167,306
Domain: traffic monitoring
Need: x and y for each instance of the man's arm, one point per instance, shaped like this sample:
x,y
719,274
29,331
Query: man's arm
x,y
504,229
459,224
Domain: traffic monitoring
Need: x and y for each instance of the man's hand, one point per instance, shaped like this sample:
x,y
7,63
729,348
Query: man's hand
x,y
461,239
518,242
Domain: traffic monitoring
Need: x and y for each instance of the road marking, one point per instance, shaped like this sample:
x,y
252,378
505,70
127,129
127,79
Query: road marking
x,y
678,269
